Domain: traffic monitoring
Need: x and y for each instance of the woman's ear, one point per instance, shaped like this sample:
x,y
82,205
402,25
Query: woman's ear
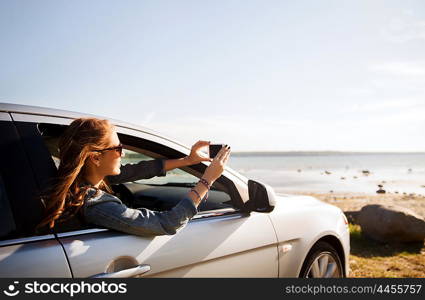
x,y
94,159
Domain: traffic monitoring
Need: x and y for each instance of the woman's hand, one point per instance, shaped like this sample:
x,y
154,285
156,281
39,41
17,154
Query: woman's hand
x,y
216,168
196,155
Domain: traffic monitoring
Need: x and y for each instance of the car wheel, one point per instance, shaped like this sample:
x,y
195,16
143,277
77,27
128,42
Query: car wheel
x,y
322,262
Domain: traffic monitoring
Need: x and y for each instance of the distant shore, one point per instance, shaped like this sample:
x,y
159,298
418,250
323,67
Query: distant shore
x,y
319,153
327,171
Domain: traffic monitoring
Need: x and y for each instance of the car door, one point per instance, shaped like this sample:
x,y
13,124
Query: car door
x,y
23,254
218,243
209,246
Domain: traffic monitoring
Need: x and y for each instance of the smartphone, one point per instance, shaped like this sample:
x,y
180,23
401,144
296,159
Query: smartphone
x,y
214,149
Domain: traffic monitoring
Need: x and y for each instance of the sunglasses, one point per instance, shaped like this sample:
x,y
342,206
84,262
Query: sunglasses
x,y
116,148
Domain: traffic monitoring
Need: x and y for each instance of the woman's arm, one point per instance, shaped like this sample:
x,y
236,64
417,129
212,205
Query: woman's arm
x,y
195,157
158,167
111,213
144,169
170,164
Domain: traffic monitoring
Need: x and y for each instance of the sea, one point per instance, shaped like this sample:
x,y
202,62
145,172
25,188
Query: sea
x,y
334,172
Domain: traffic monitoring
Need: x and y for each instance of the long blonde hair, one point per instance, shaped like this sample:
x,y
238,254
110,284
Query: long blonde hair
x,y
66,196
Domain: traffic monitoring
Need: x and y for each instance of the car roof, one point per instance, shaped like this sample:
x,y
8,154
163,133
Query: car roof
x,y
53,112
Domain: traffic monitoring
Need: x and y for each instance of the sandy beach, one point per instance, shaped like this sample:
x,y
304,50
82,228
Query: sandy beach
x,y
355,201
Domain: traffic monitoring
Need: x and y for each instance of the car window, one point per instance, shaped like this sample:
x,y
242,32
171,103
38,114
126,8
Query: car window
x,y
21,206
177,182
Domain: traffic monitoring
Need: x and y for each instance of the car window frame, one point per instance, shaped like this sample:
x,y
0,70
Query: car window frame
x,y
20,201
223,183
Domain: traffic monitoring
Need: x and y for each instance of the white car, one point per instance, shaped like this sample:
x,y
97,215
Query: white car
x,y
243,230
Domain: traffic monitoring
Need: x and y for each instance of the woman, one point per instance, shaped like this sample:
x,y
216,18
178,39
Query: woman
x,y
90,159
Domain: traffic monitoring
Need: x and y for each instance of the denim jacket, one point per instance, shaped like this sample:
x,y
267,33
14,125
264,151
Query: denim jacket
x,y
106,210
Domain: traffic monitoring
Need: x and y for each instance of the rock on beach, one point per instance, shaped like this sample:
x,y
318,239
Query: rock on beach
x,y
391,223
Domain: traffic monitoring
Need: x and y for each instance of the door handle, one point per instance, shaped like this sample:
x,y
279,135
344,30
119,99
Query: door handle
x,y
131,272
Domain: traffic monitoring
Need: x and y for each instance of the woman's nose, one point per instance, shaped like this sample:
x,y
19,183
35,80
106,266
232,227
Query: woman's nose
x,y
122,153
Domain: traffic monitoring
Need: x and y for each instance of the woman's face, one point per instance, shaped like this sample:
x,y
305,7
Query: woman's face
x,y
110,160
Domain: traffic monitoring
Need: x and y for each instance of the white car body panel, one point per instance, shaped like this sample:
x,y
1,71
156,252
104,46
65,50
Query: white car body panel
x,y
29,258
228,246
300,221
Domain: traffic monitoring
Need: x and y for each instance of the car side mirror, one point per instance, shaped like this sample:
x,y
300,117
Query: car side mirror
x,y
262,197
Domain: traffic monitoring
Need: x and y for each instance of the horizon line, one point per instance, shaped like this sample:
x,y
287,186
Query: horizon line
x,y
325,151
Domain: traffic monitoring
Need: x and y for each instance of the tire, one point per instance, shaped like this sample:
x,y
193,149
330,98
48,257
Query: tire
x,y
322,262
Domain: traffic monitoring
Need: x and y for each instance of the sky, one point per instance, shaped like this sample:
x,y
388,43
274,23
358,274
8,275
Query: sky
x,y
257,75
